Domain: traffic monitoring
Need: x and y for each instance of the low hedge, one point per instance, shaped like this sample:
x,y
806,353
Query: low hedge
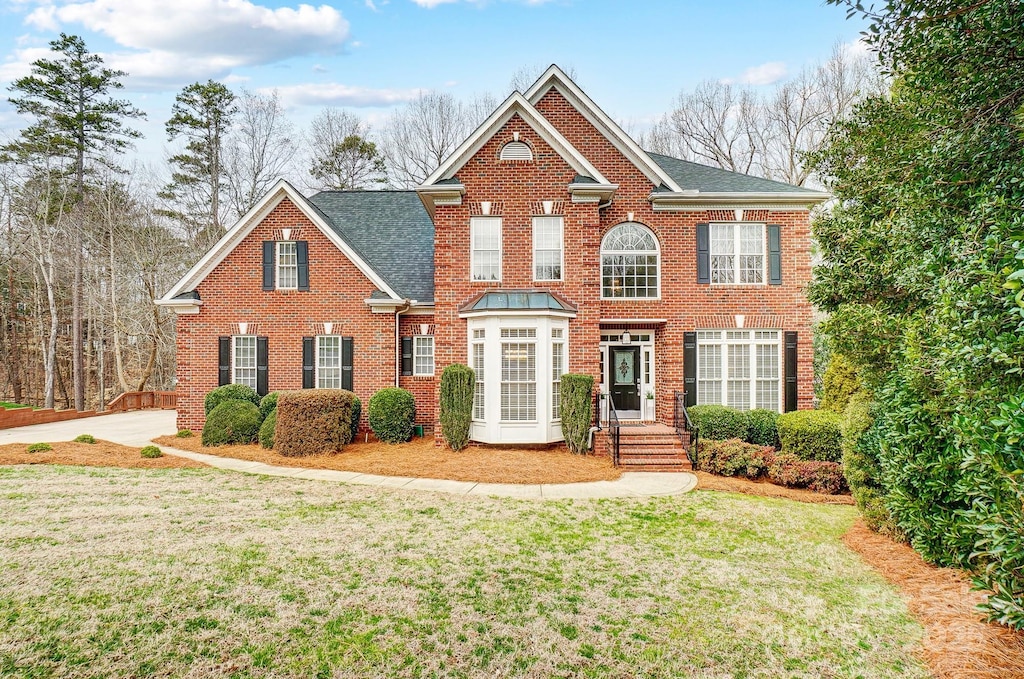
x,y
458,383
313,421
392,413
821,477
737,458
266,435
232,422
763,428
577,407
719,422
230,392
812,435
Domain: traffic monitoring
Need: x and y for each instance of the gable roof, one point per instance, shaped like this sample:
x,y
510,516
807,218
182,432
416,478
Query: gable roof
x,y
515,104
707,179
555,78
390,230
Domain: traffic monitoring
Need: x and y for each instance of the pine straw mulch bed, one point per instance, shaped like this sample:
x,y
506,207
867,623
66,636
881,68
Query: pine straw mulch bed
x,y
957,643
420,458
99,454
706,481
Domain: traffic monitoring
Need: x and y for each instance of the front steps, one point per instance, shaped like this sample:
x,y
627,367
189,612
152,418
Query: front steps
x,y
647,448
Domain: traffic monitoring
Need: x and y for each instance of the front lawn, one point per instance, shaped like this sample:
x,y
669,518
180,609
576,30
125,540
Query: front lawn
x,y
133,573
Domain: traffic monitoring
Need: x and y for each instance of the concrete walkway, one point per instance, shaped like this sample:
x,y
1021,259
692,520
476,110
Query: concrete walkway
x,y
139,428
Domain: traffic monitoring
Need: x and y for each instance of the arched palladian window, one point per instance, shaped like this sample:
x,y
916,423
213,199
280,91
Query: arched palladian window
x,y
629,262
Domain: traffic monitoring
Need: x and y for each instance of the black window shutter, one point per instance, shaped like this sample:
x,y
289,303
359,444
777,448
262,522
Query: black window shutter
x,y
346,363
774,255
308,367
268,264
790,361
690,367
261,366
223,361
407,356
703,254
302,257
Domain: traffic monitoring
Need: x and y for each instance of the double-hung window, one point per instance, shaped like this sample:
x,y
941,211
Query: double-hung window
x,y
287,265
423,355
328,362
518,374
485,237
243,360
737,253
547,248
557,370
479,393
739,368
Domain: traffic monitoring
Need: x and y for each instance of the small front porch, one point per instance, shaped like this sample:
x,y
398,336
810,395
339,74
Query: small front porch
x,y
644,446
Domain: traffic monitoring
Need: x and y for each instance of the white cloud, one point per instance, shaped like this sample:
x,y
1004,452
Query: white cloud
x,y
335,94
430,4
855,48
764,74
172,42
19,64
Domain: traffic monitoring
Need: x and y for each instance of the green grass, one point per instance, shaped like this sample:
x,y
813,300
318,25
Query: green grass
x,y
11,405
198,572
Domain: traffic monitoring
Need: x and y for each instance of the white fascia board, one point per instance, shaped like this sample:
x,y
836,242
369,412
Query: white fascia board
x,y
693,200
554,77
517,312
182,307
516,103
244,226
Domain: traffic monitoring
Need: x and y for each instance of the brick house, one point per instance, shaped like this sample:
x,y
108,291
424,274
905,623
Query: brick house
x,y
548,242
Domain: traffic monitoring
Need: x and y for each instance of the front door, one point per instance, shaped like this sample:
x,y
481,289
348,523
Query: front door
x,y
624,377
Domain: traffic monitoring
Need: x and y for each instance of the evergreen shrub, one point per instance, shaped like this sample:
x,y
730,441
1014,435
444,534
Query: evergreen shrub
x,y
312,421
811,435
230,392
392,413
458,383
266,435
577,410
719,423
232,422
763,428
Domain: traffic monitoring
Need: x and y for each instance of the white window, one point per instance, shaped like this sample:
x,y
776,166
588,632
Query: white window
x,y
328,362
547,248
518,374
629,262
557,370
423,355
479,394
243,363
739,368
287,265
737,253
485,234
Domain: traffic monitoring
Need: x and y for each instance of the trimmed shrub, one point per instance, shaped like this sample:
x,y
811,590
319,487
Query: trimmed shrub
x,y
357,413
268,403
266,435
763,428
811,435
230,392
861,468
839,384
85,438
151,452
184,433
719,423
392,413
577,410
821,477
734,458
458,383
232,422
313,421
39,448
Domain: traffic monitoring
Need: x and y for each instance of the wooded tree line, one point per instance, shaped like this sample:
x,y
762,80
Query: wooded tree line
x,y
89,240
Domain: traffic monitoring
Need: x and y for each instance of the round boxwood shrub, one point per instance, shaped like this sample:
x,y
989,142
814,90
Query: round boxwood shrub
x,y
232,422
230,392
458,383
312,421
85,438
357,413
151,452
268,403
719,423
577,410
266,435
763,427
811,435
392,413
39,447
184,433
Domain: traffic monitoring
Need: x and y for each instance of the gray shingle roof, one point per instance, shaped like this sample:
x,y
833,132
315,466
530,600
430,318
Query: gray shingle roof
x,y
708,179
390,230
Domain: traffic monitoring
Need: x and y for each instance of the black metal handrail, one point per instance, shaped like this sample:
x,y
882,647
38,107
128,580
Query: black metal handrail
x,y
613,431
683,423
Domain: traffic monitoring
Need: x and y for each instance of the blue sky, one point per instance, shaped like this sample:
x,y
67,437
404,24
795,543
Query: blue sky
x,y
369,56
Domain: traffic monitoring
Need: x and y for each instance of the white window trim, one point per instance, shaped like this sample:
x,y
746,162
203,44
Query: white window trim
x,y
478,382
316,360
277,265
234,359
736,254
561,247
603,252
472,250
415,354
751,343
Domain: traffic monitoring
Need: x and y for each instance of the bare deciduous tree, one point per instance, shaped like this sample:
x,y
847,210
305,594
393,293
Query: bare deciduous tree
x,y
260,150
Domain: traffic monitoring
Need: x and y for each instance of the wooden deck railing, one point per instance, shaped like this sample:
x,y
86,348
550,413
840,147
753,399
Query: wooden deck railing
x,y
141,400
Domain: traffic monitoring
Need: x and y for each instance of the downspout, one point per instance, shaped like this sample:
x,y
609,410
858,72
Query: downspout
x,y
397,353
